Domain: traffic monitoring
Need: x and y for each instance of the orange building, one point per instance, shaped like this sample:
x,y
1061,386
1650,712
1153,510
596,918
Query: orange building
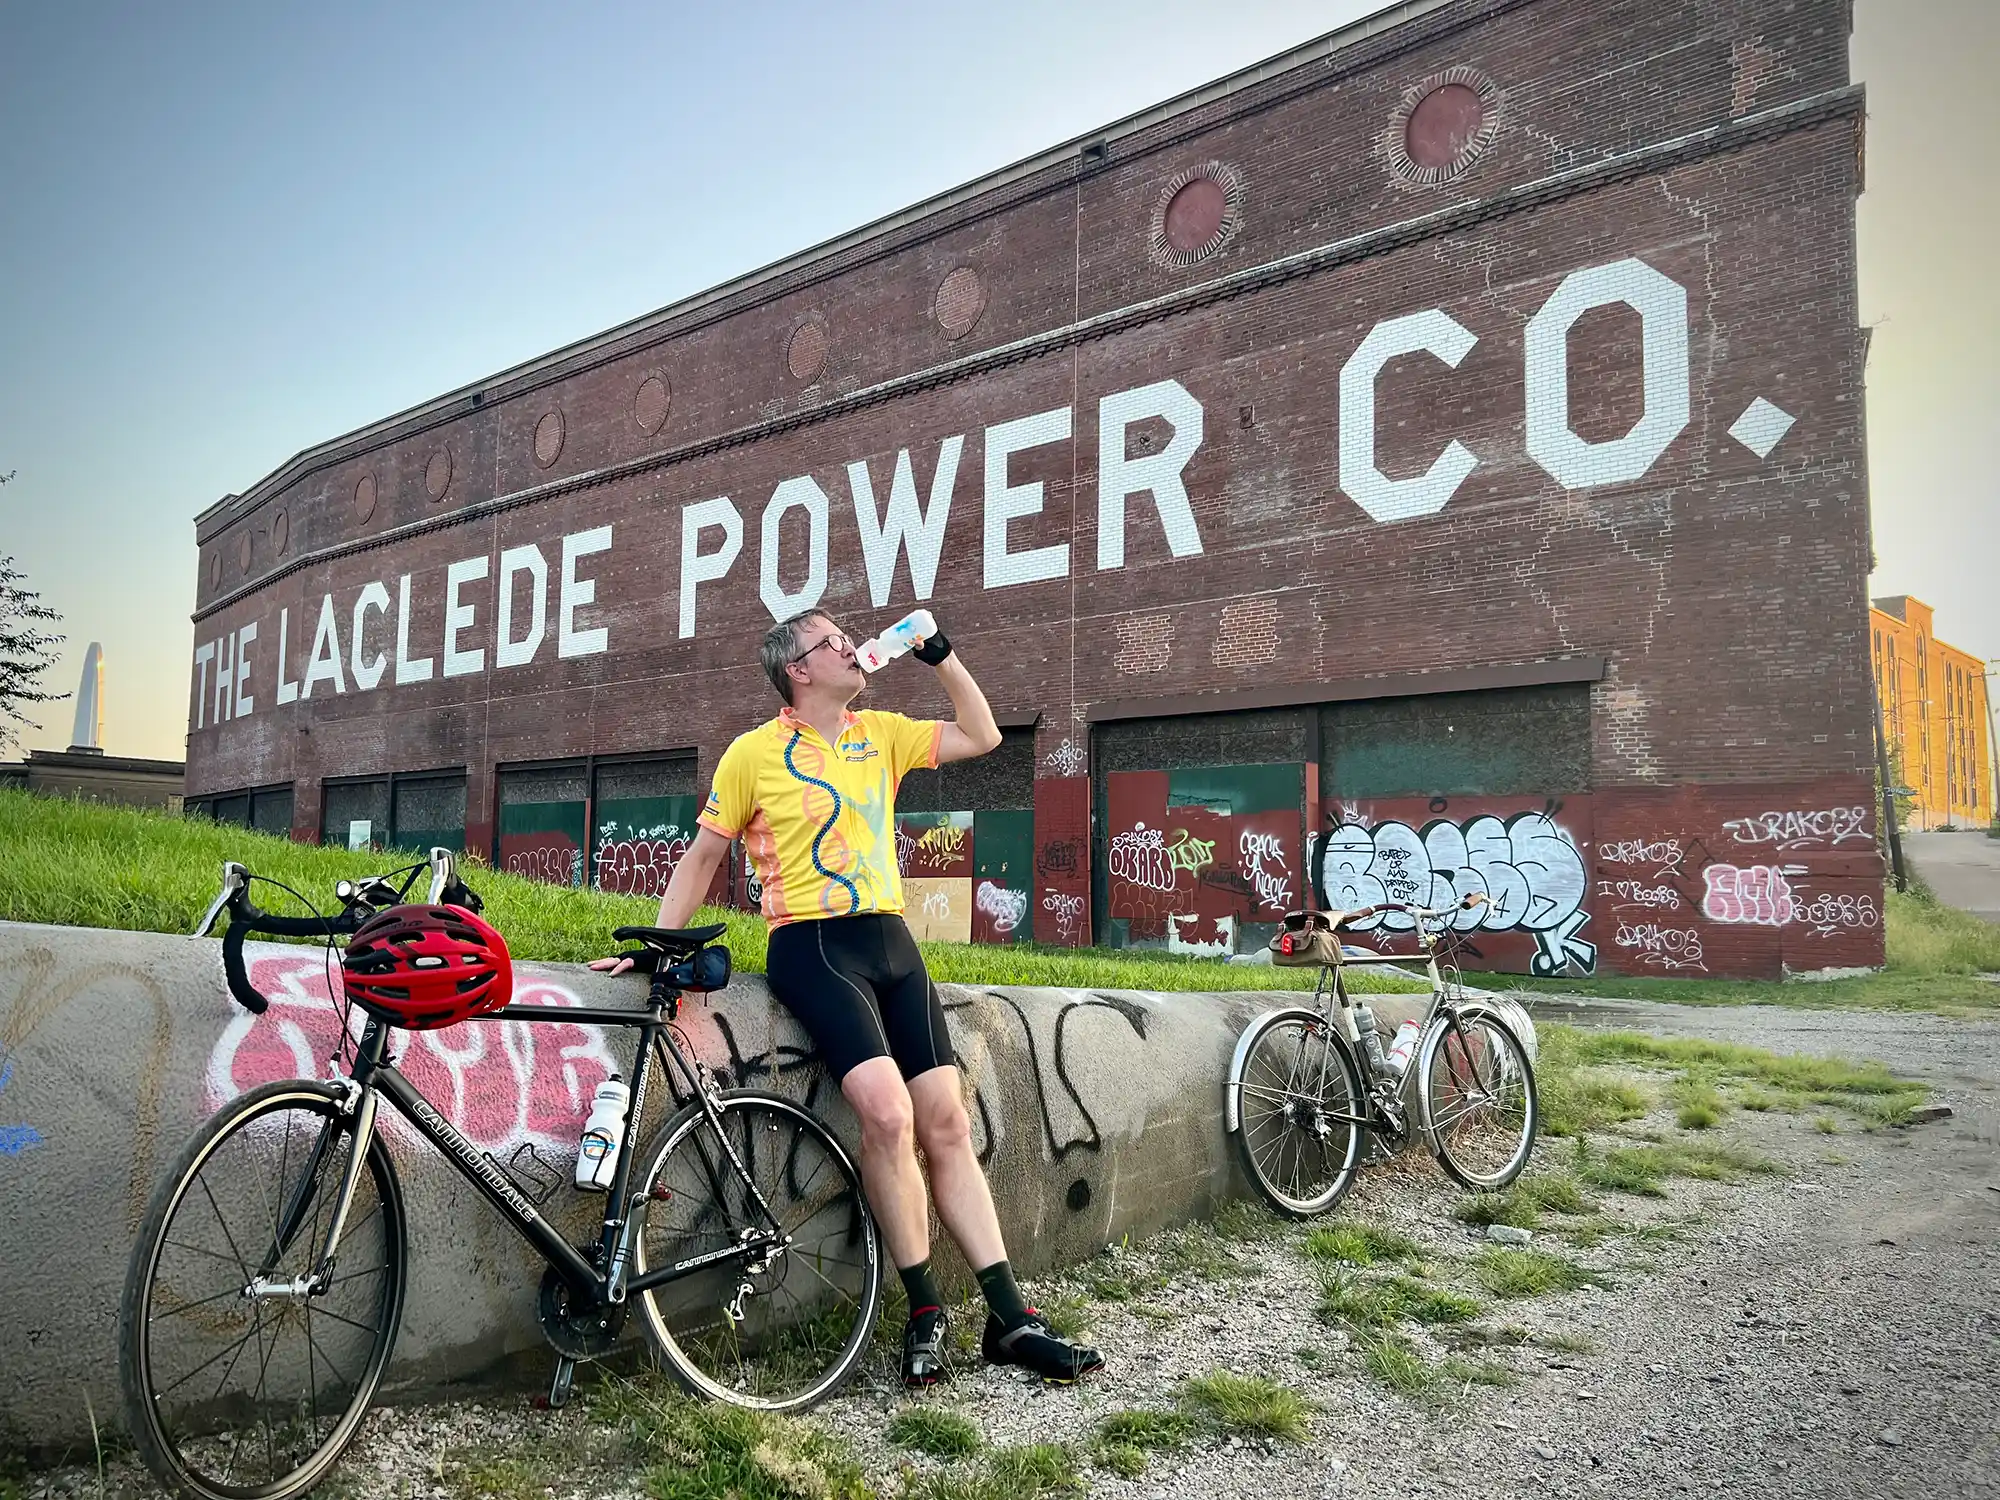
x,y
1934,712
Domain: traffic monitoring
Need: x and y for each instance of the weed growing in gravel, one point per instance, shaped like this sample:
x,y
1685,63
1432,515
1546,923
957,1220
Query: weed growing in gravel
x,y
1358,1244
1641,1170
1125,1438
1240,1219
1068,1314
1523,1204
1033,1469
1198,1253
1574,1098
1249,1404
1825,1080
1827,1125
694,1450
473,1475
1699,1103
1470,1372
1372,1302
933,1430
1391,1360
1529,1273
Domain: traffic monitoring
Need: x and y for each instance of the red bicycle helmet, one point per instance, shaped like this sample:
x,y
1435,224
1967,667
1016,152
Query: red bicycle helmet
x,y
423,967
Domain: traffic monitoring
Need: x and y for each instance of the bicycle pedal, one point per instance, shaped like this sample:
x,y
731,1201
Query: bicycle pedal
x,y
561,1386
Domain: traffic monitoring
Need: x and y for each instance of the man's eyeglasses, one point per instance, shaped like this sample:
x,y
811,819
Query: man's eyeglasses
x,y
840,643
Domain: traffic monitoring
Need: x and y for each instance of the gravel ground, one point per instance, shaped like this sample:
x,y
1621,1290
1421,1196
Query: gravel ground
x,y
1834,1331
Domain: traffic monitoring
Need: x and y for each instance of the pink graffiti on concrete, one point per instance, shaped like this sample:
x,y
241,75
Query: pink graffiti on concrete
x,y
501,1082
1751,894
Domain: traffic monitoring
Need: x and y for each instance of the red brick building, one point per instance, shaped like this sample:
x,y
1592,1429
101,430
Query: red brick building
x,y
1431,460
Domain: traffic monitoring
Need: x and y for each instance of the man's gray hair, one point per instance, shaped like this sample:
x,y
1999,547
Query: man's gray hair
x,y
781,645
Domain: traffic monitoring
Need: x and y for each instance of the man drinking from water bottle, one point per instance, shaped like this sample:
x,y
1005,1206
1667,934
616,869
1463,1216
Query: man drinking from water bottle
x,y
812,793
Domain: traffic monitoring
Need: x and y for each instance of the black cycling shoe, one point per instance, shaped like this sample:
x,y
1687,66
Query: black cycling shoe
x,y
924,1361
1034,1346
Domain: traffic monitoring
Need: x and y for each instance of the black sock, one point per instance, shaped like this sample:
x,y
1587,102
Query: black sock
x,y
1002,1295
919,1288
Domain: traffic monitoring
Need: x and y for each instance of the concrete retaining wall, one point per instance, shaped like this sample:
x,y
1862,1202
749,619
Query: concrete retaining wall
x,y
1097,1113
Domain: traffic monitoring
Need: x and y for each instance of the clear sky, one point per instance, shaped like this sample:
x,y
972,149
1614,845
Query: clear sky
x,y
235,231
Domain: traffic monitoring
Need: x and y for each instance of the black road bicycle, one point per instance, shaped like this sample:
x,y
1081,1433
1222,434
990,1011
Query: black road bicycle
x,y
265,1289
1309,1088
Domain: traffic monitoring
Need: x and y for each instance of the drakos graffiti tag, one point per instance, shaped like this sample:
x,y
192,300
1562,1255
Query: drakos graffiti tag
x,y
1758,894
1797,830
1004,906
1528,867
1066,909
1666,853
1067,759
1661,947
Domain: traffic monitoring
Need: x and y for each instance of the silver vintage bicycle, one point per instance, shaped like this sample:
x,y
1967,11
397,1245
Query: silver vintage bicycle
x,y
1309,1087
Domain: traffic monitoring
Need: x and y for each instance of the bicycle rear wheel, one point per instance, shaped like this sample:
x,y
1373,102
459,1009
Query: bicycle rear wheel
x,y
1299,1104
1476,1097
237,1388
798,1331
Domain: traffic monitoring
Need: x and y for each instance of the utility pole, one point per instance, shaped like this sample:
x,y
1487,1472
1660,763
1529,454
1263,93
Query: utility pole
x,y
1888,793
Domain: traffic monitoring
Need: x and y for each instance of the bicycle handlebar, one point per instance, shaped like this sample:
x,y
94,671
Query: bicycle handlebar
x,y
1420,913
358,904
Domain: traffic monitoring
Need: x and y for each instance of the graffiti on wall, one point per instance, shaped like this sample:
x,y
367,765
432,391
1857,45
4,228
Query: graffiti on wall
x,y
1807,828
1065,913
1002,906
640,863
16,1138
1528,866
502,1083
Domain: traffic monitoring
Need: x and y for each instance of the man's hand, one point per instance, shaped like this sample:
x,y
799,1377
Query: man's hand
x,y
611,965
932,651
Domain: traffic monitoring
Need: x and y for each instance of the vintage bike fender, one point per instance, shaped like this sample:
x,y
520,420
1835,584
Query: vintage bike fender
x,y
1232,1090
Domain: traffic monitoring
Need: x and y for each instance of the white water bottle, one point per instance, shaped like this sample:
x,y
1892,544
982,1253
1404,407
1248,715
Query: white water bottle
x,y
603,1133
874,655
1404,1047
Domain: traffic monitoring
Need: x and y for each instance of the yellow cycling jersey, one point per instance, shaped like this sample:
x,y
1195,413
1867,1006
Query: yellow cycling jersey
x,y
819,820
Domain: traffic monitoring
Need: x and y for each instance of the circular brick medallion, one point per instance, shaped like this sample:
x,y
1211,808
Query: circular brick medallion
x,y
243,551
549,437
806,350
364,498
437,473
1443,125
1198,212
215,569
651,403
281,531
961,298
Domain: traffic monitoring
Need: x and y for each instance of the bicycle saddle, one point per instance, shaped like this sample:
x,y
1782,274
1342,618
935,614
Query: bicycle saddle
x,y
670,939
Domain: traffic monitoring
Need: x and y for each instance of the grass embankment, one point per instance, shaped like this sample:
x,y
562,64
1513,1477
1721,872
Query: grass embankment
x,y
1935,955
83,864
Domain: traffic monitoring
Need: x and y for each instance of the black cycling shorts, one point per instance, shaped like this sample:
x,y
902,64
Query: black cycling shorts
x,y
860,989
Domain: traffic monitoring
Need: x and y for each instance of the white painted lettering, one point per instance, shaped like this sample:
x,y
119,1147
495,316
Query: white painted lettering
x,y
225,675
1361,477
288,691
577,592
459,618
1663,312
1007,502
203,655
804,493
367,673
408,668
244,702
1120,476
507,650
324,664
906,526
698,567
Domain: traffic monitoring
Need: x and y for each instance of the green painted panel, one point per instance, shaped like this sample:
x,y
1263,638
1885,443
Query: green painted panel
x,y
423,840
1238,789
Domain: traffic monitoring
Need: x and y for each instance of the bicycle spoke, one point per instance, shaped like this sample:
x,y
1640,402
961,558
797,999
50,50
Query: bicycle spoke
x,y
216,1209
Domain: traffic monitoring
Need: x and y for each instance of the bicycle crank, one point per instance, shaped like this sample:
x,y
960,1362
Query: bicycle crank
x,y
577,1328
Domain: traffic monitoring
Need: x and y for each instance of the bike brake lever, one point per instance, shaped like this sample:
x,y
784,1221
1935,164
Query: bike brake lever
x,y
235,879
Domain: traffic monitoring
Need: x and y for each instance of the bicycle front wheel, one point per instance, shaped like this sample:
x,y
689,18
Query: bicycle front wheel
x,y
239,1384
1299,1111
1476,1097
785,1328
